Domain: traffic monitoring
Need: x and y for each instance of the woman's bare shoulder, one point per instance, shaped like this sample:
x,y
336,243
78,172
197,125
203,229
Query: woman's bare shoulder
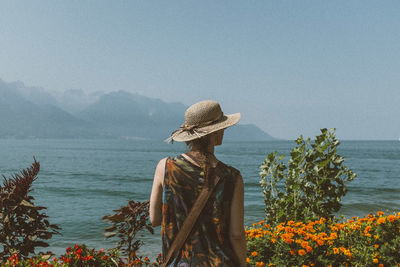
x,y
162,162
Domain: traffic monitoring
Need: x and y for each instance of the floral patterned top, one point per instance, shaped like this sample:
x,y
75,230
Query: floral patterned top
x,y
208,243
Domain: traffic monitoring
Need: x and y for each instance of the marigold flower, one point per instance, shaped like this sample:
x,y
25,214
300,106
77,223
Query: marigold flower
x,y
376,246
391,218
380,213
309,249
375,260
293,252
254,253
260,264
247,260
304,244
335,251
273,240
302,252
381,220
380,265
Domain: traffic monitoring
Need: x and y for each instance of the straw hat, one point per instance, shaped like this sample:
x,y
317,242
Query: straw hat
x,y
201,119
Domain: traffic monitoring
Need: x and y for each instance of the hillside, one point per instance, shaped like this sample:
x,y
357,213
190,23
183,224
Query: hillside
x,y
27,112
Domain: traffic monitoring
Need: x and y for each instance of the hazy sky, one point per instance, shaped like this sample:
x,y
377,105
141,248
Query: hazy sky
x,y
291,67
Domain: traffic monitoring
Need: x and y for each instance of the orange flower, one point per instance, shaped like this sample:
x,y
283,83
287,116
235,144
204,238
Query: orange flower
x,y
309,249
304,244
247,260
260,264
293,252
391,218
380,265
273,240
380,213
375,260
335,251
302,252
376,246
254,253
381,220
289,241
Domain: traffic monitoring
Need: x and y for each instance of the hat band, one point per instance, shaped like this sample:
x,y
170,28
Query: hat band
x,y
193,128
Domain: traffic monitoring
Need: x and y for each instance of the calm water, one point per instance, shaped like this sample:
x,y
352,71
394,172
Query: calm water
x,y
82,180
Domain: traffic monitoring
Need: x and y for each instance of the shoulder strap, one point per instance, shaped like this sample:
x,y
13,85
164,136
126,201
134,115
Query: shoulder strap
x,y
191,218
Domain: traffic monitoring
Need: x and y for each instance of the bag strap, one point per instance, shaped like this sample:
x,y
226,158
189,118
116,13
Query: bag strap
x,y
192,217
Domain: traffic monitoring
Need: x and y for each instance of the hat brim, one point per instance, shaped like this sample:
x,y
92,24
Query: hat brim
x,y
225,122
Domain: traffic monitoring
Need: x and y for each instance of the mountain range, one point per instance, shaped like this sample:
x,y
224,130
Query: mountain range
x,y
32,112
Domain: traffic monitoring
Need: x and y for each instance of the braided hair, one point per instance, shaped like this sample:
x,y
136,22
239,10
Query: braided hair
x,y
202,145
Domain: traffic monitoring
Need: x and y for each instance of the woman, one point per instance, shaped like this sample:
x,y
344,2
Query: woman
x,y
217,238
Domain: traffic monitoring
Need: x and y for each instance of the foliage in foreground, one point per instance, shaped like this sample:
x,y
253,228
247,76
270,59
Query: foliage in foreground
x,y
370,241
23,227
81,256
126,222
314,181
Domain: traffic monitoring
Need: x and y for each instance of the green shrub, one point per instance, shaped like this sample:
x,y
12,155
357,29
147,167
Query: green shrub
x,y
314,181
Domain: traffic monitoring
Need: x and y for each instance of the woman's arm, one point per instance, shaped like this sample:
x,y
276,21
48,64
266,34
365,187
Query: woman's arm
x,y
156,194
236,230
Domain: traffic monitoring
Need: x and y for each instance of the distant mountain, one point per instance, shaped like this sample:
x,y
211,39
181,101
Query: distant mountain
x,y
35,95
247,132
76,100
20,117
132,115
32,112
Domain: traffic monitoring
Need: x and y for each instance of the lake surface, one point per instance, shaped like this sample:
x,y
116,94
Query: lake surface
x,y
82,180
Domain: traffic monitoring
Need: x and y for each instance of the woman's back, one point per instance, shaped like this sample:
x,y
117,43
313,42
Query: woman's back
x,y
209,242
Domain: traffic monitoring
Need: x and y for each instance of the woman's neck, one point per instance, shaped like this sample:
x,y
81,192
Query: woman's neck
x,y
198,157
209,149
